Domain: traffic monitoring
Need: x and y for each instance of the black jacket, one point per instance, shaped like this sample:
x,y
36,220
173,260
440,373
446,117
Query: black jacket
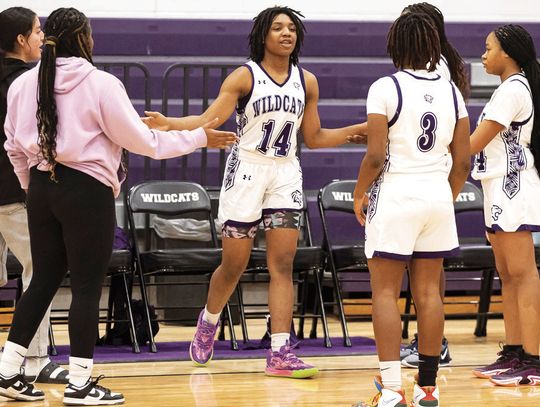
x,y
10,189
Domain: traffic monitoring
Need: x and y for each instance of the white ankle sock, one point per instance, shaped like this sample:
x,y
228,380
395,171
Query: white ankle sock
x,y
12,359
211,318
391,374
279,340
34,365
80,370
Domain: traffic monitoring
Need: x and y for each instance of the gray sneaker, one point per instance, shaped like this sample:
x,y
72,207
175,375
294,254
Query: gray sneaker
x,y
410,348
412,360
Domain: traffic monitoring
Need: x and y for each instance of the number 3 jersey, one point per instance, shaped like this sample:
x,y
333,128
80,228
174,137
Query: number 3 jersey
x,y
422,109
269,117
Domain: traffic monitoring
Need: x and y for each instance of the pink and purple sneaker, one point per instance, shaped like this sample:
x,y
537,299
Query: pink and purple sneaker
x,y
284,363
507,360
201,348
527,373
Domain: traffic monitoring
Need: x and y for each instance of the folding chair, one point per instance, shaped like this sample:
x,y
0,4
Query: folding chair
x,y
122,265
308,262
349,258
173,199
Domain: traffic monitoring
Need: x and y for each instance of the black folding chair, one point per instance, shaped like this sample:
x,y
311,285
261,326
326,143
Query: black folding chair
x,y
307,268
121,266
345,257
173,199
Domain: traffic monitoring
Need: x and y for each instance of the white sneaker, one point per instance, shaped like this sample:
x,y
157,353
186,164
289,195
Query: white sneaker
x,y
385,397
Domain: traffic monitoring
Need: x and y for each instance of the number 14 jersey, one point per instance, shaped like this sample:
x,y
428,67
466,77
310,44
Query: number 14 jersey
x,y
269,117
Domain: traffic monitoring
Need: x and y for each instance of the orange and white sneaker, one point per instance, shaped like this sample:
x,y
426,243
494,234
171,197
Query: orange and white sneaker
x,y
427,396
385,397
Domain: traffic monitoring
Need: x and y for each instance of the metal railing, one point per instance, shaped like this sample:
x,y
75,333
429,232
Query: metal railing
x,y
183,92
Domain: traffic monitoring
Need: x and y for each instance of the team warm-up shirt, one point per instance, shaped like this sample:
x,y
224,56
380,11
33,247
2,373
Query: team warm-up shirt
x,y
422,109
508,153
269,117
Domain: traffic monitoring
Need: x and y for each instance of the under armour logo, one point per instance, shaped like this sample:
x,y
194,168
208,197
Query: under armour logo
x,y
263,81
247,177
495,212
428,98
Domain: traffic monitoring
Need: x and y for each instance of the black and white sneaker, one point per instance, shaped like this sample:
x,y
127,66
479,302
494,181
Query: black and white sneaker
x,y
17,388
91,394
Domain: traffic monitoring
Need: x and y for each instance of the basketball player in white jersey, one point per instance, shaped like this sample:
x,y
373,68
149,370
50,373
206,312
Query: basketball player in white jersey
x,y
416,163
274,99
507,147
452,68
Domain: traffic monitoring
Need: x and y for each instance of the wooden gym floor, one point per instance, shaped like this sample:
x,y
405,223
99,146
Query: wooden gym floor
x,y
343,381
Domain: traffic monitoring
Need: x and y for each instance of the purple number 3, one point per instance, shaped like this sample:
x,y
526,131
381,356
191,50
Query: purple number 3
x,y
426,140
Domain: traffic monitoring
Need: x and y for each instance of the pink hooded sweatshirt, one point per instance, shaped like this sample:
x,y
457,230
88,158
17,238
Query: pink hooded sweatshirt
x,y
95,120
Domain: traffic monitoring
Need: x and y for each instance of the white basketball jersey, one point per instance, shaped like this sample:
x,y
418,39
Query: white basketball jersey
x,y
508,153
422,127
269,117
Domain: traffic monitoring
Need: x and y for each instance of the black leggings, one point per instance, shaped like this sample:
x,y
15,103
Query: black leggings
x,y
71,224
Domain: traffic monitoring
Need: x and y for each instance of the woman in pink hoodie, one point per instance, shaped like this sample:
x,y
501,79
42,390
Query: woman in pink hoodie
x,y
68,157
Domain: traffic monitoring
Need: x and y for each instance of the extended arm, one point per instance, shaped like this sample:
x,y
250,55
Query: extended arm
x,y
235,86
483,134
314,135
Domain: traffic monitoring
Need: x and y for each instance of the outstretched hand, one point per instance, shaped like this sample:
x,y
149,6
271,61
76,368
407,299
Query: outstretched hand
x,y
155,120
357,139
218,138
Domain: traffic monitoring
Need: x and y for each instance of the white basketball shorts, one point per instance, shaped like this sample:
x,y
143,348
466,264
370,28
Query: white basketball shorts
x,y
255,188
411,218
511,203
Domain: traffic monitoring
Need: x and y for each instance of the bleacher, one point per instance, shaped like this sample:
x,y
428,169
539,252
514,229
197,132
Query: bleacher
x,y
346,57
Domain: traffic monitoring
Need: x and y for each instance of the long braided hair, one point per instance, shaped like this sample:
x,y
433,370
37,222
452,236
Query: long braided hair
x,y
67,31
413,42
518,44
455,62
261,26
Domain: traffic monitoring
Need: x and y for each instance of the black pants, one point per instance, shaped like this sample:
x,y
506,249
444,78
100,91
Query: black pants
x,y
71,225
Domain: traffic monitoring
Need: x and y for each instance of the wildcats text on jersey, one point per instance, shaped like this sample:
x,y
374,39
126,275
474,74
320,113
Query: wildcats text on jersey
x,y
278,103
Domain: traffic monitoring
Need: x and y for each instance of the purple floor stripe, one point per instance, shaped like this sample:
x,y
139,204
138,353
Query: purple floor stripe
x,y
170,351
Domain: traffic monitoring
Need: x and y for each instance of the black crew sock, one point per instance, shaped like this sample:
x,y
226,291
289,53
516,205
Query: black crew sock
x,y
427,370
513,348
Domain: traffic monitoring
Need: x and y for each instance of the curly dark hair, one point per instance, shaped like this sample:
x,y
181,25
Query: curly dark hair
x,y
261,26
67,31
